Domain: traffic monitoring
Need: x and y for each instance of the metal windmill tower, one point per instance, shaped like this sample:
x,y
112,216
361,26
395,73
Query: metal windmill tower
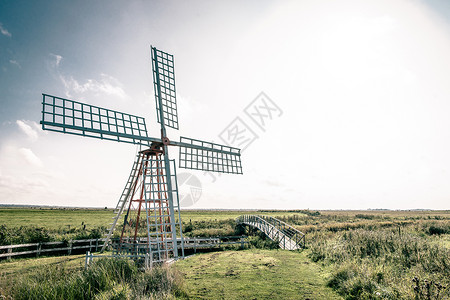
x,y
150,197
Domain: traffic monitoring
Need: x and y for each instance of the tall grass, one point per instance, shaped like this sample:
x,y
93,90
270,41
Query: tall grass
x,y
104,279
380,264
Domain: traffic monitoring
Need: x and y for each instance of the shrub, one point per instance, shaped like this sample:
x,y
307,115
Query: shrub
x,y
437,230
364,216
23,235
260,241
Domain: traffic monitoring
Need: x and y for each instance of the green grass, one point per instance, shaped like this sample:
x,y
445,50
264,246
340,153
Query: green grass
x,y
105,278
254,274
54,219
382,262
17,267
31,225
251,274
359,254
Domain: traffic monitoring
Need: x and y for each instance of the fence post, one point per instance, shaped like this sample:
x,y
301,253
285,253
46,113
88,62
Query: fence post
x,y
39,249
146,261
9,251
96,245
242,242
86,263
90,245
70,247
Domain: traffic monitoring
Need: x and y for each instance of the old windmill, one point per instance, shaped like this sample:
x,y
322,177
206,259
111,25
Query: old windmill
x,y
150,197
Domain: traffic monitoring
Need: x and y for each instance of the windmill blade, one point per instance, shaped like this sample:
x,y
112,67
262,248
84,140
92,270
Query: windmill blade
x,y
164,86
68,116
200,155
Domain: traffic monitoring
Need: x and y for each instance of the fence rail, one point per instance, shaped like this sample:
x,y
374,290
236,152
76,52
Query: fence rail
x,y
94,245
141,245
48,247
287,236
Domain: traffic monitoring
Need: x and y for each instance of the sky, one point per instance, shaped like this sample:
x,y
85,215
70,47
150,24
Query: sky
x,y
338,104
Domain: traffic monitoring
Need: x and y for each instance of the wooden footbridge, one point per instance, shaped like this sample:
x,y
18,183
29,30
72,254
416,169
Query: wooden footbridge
x,y
287,236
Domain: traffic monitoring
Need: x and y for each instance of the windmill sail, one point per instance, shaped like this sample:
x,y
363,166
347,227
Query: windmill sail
x,y
68,116
164,86
206,156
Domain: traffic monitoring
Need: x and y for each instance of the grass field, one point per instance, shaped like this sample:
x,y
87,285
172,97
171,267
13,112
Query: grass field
x,y
70,217
48,224
54,219
255,274
252,274
350,254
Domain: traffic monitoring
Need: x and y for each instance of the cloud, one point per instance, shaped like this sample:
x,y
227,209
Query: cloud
x,y
107,85
56,59
30,157
31,133
15,62
4,31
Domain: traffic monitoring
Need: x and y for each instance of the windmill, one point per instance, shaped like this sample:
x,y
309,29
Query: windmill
x,y
149,201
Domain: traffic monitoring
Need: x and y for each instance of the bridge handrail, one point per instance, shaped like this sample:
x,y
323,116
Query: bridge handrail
x,y
282,228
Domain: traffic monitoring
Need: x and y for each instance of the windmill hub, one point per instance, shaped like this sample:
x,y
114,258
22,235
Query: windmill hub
x,y
166,140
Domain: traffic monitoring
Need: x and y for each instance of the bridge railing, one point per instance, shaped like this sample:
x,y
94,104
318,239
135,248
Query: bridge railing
x,y
287,236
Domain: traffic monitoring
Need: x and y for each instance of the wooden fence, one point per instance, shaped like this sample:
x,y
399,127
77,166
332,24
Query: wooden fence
x,y
214,242
94,245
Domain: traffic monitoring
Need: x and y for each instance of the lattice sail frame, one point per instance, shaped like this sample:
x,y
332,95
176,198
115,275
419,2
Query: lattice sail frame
x,y
164,86
209,157
72,117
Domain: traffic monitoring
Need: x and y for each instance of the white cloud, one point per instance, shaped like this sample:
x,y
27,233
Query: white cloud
x,y
30,157
56,59
107,85
15,62
24,126
4,31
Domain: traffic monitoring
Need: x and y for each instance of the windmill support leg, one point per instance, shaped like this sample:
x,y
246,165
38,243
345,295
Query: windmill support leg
x,y
153,193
